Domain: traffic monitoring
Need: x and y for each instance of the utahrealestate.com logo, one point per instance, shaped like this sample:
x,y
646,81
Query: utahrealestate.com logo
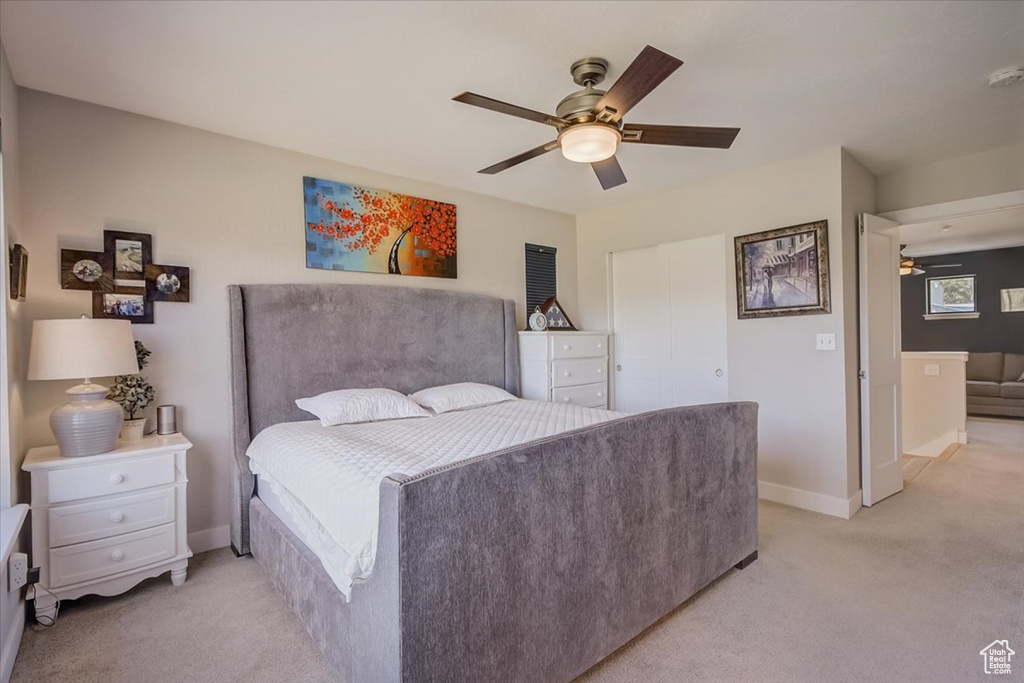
x,y
997,657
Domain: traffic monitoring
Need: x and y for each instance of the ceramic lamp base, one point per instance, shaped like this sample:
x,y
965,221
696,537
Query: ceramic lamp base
x,y
88,423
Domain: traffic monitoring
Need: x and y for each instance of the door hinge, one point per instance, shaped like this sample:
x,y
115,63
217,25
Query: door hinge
x,y
861,374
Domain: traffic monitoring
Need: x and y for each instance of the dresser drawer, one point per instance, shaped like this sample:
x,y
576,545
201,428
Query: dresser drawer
x,y
570,373
97,559
109,517
75,483
578,345
589,395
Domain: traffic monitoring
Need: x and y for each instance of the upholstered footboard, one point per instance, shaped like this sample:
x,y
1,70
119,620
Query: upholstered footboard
x,y
534,563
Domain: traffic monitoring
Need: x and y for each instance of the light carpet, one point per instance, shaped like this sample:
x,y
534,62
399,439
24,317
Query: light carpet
x,y
910,589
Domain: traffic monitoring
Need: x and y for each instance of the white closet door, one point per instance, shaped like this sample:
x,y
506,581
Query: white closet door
x,y
669,321
640,330
698,354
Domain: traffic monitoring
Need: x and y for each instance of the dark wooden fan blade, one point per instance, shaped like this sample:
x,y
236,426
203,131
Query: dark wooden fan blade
x,y
648,70
520,158
510,109
682,136
609,173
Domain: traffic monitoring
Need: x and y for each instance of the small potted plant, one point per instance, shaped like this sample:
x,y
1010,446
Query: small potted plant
x,y
133,393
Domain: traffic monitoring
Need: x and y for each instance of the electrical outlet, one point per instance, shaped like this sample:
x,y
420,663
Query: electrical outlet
x,y
17,571
826,342
932,369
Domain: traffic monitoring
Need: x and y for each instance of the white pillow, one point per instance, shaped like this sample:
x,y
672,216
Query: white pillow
x,y
347,406
459,396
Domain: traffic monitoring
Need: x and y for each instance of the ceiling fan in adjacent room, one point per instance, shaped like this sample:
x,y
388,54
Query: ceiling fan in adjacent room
x,y
589,121
908,266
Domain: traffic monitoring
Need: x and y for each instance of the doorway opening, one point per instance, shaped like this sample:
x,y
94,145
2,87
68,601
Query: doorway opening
x,y
945,307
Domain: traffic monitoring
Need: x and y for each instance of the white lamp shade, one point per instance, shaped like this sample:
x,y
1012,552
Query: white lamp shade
x,y
589,142
81,348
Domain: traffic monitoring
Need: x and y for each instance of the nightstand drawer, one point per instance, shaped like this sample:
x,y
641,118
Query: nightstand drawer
x,y
578,345
571,373
97,559
75,483
590,395
109,517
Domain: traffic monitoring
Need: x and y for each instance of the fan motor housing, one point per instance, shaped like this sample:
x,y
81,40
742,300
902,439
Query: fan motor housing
x,y
579,106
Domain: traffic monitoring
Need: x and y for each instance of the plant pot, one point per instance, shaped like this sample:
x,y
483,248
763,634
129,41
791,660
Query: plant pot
x,y
132,430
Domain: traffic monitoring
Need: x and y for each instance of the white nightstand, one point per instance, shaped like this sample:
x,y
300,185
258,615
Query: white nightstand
x,y
103,523
565,367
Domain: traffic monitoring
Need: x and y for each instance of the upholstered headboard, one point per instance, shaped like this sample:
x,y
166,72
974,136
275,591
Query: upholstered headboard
x,y
290,341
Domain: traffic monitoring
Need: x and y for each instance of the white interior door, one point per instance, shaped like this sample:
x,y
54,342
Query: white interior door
x,y
880,371
640,331
669,312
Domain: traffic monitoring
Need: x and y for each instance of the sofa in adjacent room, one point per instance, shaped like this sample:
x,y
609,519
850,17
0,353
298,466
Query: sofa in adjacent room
x,y
995,384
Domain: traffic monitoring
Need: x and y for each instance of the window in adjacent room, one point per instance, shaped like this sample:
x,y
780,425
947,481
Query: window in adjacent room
x,y
1011,300
951,297
541,275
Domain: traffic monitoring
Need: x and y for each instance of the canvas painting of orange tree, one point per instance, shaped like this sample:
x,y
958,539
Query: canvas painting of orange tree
x,y
360,229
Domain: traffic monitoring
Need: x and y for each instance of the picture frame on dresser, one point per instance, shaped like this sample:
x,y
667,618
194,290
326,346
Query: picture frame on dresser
x,y
564,367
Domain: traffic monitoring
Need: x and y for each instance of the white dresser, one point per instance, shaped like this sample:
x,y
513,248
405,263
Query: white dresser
x,y
566,367
103,523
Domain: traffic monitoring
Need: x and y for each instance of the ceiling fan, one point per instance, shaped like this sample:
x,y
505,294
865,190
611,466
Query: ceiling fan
x,y
908,266
589,121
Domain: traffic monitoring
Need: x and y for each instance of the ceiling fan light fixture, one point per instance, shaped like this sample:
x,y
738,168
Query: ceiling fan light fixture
x,y
589,143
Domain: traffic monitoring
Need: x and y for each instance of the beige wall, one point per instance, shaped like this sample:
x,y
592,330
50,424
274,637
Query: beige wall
x,y
858,194
232,211
934,405
804,414
13,318
977,175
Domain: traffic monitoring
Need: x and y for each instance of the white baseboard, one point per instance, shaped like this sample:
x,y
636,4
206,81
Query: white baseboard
x,y
209,539
12,642
809,500
937,446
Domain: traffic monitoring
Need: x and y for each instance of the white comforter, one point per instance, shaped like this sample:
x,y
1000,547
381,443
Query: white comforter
x,y
328,477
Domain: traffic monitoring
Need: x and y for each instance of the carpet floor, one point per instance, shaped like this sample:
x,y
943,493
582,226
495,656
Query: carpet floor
x,y
910,589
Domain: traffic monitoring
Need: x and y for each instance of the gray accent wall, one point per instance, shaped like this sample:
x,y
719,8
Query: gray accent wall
x,y
992,331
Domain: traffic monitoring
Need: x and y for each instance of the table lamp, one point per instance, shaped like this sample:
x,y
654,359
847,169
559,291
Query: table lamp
x,y
81,348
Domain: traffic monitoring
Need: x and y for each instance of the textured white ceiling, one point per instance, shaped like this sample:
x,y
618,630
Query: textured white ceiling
x,y
897,83
973,232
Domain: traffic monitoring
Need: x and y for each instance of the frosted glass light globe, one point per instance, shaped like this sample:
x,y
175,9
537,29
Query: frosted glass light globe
x,y
589,142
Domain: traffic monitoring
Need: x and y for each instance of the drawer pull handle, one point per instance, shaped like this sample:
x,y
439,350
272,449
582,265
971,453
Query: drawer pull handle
x,y
566,347
116,478
600,346
567,373
117,518
599,394
117,555
565,400
600,370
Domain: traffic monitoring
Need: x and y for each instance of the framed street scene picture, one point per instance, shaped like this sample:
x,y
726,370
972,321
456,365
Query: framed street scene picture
x,y
783,272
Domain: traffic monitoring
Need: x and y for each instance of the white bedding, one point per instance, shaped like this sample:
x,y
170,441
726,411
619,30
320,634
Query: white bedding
x,y
327,478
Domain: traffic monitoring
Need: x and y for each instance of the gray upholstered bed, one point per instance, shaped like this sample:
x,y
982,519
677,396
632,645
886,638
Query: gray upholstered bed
x,y
528,564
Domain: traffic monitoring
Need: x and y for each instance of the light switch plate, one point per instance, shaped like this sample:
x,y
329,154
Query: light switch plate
x,y
826,342
932,369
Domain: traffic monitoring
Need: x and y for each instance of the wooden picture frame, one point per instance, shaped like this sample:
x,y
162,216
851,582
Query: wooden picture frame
x,y
558,319
19,272
86,270
783,272
167,283
130,252
122,303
